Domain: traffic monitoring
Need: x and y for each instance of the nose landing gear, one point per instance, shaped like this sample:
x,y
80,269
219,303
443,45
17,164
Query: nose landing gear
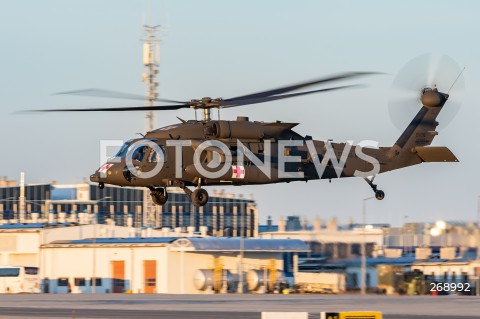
x,y
379,194
101,185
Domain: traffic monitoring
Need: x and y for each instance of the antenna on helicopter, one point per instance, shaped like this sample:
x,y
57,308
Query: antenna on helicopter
x,y
456,80
181,120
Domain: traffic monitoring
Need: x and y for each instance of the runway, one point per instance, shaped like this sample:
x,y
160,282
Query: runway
x,y
229,306
150,314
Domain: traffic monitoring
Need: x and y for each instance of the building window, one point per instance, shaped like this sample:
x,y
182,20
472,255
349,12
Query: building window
x,y
80,282
118,285
353,280
62,282
9,272
98,282
31,270
150,282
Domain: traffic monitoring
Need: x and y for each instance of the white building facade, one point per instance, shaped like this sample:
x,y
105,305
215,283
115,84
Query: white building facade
x,y
156,265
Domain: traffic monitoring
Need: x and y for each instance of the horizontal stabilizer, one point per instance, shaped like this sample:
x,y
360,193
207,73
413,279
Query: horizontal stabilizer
x,y
435,154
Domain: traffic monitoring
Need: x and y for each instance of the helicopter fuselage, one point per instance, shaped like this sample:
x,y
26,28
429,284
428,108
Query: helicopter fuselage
x,y
238,152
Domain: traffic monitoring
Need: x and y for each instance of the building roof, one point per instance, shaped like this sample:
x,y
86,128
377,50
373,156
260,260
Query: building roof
x,y
267,228
439,262
381,260
129,240
197,243
34,225
22,226
394,261
249,244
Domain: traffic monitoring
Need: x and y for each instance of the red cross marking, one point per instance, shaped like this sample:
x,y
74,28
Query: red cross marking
x,y
238,171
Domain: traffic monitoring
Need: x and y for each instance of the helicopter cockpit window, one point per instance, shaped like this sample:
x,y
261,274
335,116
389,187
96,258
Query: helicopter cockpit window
x,y
139,153
153,156
121,152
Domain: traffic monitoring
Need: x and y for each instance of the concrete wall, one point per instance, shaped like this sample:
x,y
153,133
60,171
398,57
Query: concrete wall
x,y
321,282
439,269
331,236
87,262
356,271
22,246
87,231
19,248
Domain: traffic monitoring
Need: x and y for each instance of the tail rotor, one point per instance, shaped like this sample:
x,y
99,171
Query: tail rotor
x,y
414,83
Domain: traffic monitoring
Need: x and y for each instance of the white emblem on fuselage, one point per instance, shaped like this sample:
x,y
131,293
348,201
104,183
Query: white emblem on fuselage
x,y
105,168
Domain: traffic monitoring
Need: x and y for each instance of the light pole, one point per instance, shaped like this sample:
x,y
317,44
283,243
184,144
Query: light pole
x,y
477,286
94,266
478,211
242,245
363,280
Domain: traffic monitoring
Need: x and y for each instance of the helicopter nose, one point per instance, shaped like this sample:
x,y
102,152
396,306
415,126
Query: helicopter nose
x,y
101,174
95,177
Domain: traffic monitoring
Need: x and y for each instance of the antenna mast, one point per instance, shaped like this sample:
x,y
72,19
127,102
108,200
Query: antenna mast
x,y
151,60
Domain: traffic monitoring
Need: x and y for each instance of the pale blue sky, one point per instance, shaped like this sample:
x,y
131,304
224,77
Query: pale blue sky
x,y
220,48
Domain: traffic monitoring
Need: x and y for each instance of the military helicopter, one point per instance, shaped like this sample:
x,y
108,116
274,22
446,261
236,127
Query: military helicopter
x,y
250,152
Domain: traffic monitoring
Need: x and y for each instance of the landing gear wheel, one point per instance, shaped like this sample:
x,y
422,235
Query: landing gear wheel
x,y
199,197
101,185
159,196
379,195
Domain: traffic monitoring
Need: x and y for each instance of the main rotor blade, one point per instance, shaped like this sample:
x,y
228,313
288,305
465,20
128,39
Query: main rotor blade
x,y
114,109
302,85
112,94
280,97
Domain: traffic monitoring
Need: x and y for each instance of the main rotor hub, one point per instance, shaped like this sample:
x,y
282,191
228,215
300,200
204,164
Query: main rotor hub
x,y
206,103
